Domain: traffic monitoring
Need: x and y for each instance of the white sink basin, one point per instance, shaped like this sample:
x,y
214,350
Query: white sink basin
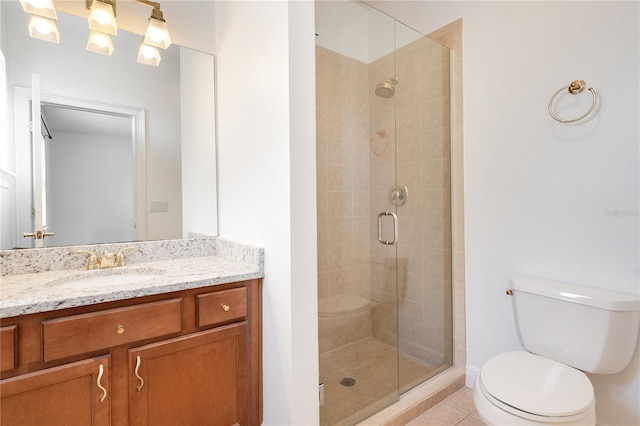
x,y
96,279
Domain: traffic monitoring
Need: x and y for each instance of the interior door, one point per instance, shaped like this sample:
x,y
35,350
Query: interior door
x,y
38,210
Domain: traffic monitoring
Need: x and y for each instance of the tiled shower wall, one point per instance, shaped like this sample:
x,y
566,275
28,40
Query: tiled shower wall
x,y
356,140
342,124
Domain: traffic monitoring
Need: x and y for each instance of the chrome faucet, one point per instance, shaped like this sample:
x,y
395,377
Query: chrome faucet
x,y
107,260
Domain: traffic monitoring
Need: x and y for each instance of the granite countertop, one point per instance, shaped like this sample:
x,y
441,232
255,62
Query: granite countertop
x,y
40,292
53,289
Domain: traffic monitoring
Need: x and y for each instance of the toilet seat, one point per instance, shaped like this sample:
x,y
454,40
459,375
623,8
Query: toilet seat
x,y
536,388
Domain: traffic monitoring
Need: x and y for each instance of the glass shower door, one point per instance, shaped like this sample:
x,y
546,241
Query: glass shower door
x,y
357,222
383,221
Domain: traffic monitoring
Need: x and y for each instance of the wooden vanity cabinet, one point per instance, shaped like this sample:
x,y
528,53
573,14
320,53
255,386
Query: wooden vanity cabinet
x,y
70,394
8,338
204,372
188,357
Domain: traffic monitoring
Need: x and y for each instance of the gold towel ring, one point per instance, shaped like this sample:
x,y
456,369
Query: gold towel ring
x,y
574,88
383,136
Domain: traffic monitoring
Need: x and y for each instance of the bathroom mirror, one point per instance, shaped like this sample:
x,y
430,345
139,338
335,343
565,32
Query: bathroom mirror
x,y
177,100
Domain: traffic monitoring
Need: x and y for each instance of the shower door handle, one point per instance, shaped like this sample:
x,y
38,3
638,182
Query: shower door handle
x,y
395,228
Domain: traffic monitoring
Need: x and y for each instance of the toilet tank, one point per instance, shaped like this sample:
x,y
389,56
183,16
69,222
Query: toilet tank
x,y
591,329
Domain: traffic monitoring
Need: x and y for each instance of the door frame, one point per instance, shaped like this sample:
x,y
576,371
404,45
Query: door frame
x,y
24,184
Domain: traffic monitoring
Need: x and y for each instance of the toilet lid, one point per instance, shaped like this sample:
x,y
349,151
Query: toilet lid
x,y
537,385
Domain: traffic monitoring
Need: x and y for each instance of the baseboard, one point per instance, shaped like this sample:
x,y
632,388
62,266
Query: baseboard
x,y
471,373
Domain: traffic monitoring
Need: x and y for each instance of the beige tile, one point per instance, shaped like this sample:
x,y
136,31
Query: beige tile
x,y
435,143
437,204
475,414
408,119
462,400
437,234
339,151
436,173
339,177
409,148
408,59
434,114
470,421
408,89
410,175
440,415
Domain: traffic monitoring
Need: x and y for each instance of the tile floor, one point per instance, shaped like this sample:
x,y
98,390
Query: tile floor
x,y
456,410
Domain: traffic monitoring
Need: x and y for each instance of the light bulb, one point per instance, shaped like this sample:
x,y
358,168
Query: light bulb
x,y
44,29
102,17
156,34
44,8
148,52
100,43
42,26
38,4
100,40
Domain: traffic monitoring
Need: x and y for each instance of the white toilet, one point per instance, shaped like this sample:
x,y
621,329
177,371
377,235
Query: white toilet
x,y
565,328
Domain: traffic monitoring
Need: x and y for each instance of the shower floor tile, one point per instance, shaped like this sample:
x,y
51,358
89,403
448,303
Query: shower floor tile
x,y
373,366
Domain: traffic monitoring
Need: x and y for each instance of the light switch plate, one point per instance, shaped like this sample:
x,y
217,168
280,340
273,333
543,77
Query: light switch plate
x,y
159,206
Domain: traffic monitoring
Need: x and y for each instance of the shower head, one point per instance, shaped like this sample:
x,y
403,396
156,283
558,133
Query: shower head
x,y
387,89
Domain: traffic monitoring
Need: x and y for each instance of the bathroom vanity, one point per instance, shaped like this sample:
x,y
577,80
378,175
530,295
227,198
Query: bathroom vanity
x,y
179,344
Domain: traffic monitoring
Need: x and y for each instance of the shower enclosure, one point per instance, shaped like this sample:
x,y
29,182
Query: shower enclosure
x,y
384,211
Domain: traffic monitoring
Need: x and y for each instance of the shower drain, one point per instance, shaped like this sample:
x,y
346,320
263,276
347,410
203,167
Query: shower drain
x,y
348,381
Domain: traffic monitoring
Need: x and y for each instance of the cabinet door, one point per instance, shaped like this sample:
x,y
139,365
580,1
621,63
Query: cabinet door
x,y
71,394
198,379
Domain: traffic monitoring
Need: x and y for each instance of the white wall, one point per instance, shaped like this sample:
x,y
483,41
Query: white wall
x,y
266,147
353,29
343,26
543,198
100,168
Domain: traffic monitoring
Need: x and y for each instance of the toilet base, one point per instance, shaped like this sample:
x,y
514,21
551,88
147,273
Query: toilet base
x,y
493,415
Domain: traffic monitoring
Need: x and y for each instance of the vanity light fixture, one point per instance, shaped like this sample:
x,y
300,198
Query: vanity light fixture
x,y
100,43
102,25
42,24
157,32
102,17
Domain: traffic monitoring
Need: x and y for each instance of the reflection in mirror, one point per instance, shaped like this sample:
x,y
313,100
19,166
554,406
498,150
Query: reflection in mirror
x,y
97,145
179,128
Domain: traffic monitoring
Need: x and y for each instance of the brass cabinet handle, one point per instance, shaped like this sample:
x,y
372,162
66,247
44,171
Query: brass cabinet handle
x,y
138,362
225,307
104,391
120,329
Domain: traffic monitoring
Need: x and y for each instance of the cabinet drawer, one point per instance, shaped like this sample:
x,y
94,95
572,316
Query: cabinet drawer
x,y
8,355
78,334
221,306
